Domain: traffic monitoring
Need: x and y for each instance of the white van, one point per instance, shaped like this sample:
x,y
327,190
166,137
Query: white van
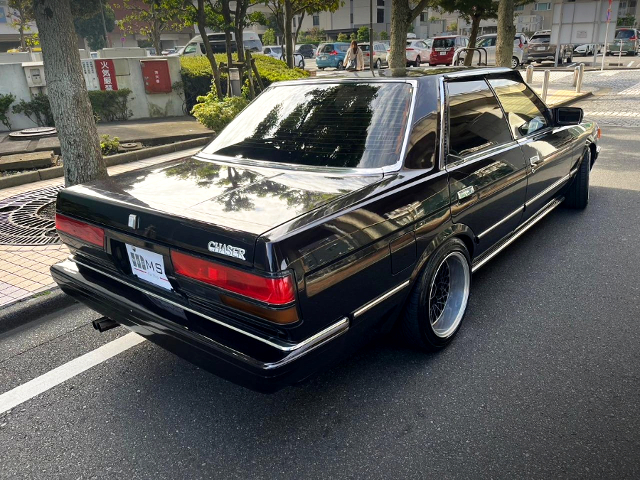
x,y
195,47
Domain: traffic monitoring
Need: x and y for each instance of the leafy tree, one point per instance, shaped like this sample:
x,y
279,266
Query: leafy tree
x,y
384,35
21,18
285,10
79,142
403,13
473,11
269,37
93,29
363,34
342,37
152,18
314,35
453,27
626,21
353,36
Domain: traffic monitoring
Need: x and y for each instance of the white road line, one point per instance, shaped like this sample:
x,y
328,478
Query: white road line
x,y
41,384
630,63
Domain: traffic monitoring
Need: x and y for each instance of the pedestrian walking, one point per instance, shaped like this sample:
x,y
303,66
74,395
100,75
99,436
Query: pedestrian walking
x,y
354,59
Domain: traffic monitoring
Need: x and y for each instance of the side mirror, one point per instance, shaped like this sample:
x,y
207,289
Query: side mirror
x,y
567,116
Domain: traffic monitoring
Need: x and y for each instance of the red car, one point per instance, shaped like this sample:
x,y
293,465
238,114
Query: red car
x,y
444,47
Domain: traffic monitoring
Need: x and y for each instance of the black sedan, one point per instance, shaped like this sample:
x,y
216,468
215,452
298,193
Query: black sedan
x,y
327,211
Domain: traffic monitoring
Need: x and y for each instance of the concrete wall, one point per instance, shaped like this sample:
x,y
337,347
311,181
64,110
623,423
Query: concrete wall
x,y
128,75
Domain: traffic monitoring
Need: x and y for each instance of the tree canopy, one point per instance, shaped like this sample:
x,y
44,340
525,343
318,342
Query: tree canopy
x,y
92,28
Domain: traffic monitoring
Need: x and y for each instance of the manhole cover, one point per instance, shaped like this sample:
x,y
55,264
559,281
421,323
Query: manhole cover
x,y
29,218
34,132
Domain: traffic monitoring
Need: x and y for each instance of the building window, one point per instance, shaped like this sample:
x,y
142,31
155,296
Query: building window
x,y
351,18
518,8
423,17
623,5
633,3
540,7
316,20
380,18
381,3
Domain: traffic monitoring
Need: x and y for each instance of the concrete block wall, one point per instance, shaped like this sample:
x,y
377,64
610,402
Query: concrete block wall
x,y
128,75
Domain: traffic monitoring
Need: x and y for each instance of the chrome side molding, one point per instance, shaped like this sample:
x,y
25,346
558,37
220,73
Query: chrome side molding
x,y
376,301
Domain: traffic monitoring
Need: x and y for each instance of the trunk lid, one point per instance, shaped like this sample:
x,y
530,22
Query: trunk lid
x,y
205,207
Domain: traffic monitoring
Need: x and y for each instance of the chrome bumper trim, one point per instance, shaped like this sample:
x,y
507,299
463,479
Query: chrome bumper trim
x,y
306,345
365,308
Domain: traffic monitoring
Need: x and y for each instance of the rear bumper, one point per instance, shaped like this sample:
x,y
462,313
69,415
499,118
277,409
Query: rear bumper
x,y
262,364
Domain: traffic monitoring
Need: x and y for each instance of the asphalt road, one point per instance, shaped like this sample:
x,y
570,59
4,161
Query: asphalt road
x,y
541,382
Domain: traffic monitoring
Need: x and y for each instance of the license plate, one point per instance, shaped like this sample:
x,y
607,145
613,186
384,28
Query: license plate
x,y
443,53
541,48
148,266
324,57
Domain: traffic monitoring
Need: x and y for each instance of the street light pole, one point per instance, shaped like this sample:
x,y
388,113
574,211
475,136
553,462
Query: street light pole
x,y
107,40
371,36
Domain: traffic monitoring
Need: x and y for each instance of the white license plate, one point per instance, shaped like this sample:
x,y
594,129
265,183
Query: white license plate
x,y
541,48
324,57
148,266
443,53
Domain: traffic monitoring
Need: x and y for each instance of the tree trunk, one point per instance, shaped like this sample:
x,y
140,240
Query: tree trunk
x,y
400,19
21,30
506,33
295,37
72,113
207,46
475,25
226,15
288,37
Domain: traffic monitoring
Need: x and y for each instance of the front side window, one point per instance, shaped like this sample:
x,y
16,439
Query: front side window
x,y
343,125
525,112
191,48
476,122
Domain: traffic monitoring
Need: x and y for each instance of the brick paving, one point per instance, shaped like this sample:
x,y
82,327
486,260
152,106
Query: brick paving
x,y
24,270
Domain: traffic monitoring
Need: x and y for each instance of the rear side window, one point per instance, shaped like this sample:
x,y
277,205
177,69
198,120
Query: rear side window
x,y
476,121
525,112
444,43
327,125
343,48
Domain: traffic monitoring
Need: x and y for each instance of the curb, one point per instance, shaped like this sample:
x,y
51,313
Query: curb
x,y
569,101
117,159
31,308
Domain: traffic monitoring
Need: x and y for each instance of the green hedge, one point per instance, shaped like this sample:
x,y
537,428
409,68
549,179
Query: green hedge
x,y
197,75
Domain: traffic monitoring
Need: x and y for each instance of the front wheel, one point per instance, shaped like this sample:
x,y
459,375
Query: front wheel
x,y
578,193
340,66
515,62
436,306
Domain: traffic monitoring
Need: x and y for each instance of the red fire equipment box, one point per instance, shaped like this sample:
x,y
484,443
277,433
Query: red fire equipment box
x,y
156,76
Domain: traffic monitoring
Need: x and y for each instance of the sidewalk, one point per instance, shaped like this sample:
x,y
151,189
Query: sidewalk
x,y
153,131
24,270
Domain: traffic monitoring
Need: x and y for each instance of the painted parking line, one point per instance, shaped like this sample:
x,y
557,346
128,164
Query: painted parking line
x,y
41,384
630,63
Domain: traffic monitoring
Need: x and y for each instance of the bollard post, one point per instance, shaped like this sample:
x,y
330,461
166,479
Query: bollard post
x,y
236,85
575,76
545,84
579,79
529,74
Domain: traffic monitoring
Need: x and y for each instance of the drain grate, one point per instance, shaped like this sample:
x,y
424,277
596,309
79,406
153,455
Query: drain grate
x,y
29,218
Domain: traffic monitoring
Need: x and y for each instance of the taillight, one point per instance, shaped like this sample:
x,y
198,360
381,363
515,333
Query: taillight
x,y
599,133
270,290
632,38
80,230
520,45
409,49
334,53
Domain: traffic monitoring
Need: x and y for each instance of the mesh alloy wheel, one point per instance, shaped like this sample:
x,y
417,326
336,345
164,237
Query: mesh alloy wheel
x,y
448,294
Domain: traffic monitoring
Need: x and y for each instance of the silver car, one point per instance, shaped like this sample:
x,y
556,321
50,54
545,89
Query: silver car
x,y
520,49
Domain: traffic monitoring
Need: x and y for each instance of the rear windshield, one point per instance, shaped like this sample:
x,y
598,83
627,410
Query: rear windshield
x,y
326,125
541,39
364,48
444,43
624,34
326,48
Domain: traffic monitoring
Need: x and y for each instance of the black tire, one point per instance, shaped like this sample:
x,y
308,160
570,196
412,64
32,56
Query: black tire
x,y
515,63
340,66
416,324
578,192
418,61
378,64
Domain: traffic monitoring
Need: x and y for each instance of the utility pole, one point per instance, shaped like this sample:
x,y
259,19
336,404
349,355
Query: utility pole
x,y
107,40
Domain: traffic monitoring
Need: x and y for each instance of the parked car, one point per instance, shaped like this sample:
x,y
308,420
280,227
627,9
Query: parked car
x,y
586,49
308,50
195,47
625,41
444,47
379,54
276,51
314,220
417,52
488,42
331,55
541,49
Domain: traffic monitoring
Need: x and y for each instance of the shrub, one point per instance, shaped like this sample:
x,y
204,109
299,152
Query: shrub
x,y
216,114
110,105
5,103
197,75
109,145
38,109
342,37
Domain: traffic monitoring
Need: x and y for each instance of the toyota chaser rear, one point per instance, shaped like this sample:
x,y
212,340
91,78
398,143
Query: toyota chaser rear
x,y
207,256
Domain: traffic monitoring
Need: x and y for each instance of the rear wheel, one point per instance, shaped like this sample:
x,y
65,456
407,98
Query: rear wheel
x,y
340,66
438,302
418,59
515,62
378,64
578,193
